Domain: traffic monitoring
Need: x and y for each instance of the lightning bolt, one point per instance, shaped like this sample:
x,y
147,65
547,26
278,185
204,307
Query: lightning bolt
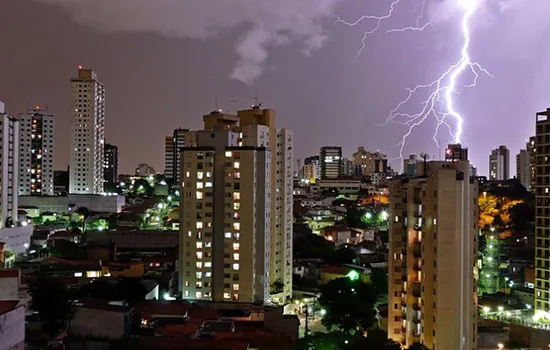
x,y
439,104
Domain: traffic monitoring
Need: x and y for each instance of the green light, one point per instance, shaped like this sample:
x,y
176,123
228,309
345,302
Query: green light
x,y
353,275
368,215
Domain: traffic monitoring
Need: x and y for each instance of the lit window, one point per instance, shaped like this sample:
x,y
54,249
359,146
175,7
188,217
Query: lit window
x,y
198,265
183,184
208,264
208,274
199,225
187,283
235,286
235,297
237,196
226,295
200,174
236,256
198,295
227,235
236,206
236,246
187,174
188,233
78,274
186,293
92,274
435,221
236,235
546,190
200,185
236,267
236,226
237,175
396,218
198,284
208,184
208,244
236,165
199,245
199,255
229,154
208,174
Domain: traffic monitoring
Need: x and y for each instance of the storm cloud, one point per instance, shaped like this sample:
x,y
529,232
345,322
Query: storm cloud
x,y
266,24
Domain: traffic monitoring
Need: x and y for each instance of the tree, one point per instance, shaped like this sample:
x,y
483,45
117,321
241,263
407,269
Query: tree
x,y
322,341
375,340
355,218
51,299
313,247
349,305
67,250
345,255
277,286
379,280
522,214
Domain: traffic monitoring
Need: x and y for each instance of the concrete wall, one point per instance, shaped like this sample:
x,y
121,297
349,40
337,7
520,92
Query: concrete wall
x,y
17,239
12,329
9,288
46,203
98,323
98,203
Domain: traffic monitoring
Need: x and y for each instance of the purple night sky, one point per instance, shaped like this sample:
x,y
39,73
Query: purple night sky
x,y
163,62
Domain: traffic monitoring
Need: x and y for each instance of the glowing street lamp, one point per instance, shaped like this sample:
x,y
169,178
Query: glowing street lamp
x,y
353,275
368,216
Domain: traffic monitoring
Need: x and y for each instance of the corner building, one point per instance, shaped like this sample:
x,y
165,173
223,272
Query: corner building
x,y
433,275
236,210
542,215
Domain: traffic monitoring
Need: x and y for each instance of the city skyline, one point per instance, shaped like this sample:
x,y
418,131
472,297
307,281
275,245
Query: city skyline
x,y
360,94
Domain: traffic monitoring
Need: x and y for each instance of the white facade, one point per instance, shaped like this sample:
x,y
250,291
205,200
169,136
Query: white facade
x,y
88,134
36,153
12,328
9,168
499,164
17,239
523,168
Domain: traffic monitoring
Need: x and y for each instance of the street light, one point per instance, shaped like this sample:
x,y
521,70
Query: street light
x,y
500,309
500,346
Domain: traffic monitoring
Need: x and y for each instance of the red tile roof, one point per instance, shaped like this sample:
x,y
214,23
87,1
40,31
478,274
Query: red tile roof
x,y
337,270
9,273
7,306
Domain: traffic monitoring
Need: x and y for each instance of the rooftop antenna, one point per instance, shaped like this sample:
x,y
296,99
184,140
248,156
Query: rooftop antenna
x,y
425,157
235,105
257,102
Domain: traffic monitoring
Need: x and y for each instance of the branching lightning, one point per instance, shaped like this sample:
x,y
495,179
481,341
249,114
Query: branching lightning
x,y
439,104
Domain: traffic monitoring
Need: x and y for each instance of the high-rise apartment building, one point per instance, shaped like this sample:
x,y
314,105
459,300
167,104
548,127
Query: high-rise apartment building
x,y
36,153
455,152
531,149
236,209
523,168
542,214
433,256
311,169
370,162
331,161
499,164
9,168
180,138
253,123
88,134
110,164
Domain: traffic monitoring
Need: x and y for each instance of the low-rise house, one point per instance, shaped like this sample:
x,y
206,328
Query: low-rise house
x,y
100,319
331,272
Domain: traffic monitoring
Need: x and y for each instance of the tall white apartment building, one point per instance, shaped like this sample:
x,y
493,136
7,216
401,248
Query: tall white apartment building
x,y
257,126
180,138
499,164
88,134
432,263
36,152
9,168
